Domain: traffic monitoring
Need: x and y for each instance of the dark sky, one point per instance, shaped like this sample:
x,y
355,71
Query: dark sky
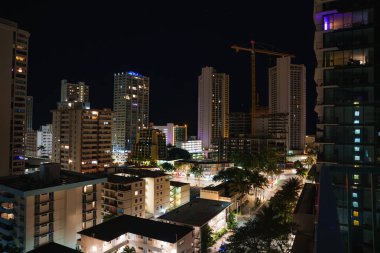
x,y
169,42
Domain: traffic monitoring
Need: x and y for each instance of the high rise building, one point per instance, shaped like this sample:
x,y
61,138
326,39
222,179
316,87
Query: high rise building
x,y
29,113
31,143
48,205
82,139
150,145
239,123
173,133
13,79
45,140
131,111
287,95
213,107
348,129
74,92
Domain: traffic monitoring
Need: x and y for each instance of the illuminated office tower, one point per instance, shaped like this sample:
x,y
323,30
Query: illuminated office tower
x,y
348,130
287,96
131,111
213,107
13,79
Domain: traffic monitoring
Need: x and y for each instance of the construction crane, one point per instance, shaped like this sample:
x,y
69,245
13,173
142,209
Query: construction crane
x,y
253,50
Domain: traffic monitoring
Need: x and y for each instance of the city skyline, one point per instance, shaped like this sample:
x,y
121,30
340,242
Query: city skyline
x,y
85,48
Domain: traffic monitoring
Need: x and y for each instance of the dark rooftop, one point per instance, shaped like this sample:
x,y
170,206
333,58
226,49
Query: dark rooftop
x,y
143,172
215,187
29,182
120,225
197,212
53,247
178,184
122,180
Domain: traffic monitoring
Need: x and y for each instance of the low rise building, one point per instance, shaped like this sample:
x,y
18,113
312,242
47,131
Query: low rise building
x,y
222,192
179,194
46,206
157,189
123,195
142,234
199,213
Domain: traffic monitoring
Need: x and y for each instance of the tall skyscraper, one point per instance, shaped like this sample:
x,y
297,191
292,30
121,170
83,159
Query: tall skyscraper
x,y
213,107
74,92
348,130
239,123
287,96
29,113
13,83
45,140
131,111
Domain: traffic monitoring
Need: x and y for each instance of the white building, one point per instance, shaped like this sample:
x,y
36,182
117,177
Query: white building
x,y
45,140
213,106
131,111
287,96
13,79
142,234
33,214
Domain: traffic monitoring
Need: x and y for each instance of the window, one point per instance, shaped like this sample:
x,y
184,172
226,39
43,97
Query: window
x,y
357,158
357,131
356,177
356,223
357,113
357,140
357,149
354,195
356,121
136,193
355,204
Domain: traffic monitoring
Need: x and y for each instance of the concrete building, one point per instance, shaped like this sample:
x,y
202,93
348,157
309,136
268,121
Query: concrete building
x,y
150,145
194,147
179,194
198,213
31,143
222,192
157,189
45,141
131,111
13,78
46,206
82,139
213,107
287,95
123,195
348,131
174,133
142,234
75,92
239,123
29,113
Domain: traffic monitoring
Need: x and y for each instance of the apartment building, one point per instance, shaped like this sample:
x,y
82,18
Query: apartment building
x,y
49,205
179,194
173,133
150,145
142,234
123,195
45,140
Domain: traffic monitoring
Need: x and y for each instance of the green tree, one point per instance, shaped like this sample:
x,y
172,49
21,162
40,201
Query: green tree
x,y
197,171
310,161
178,153
128,249
108,217
206,238
231,221
242,159
41,147
167,167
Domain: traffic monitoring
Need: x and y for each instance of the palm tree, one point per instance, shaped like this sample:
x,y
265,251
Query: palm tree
x,y
128,249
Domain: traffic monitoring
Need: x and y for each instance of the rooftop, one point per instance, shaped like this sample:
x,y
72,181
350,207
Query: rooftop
x,y
53,247
143,172
178,184
197,212
123,224
31,181
118,179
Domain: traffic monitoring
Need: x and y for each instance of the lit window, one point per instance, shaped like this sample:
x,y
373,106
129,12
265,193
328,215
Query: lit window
x,y
355,213
357,140
357,149
354,195
357,113
136,193
356,223
357,131
356,177
357,158
355,204
356,121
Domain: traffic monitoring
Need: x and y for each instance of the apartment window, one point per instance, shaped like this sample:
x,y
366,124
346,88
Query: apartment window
x,y
357,140
356,223
137,192
357,158
356,177
357,149
355,204
357,113
357,131
354,195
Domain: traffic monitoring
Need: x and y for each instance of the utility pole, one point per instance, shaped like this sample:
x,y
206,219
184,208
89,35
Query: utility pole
x,y
253,50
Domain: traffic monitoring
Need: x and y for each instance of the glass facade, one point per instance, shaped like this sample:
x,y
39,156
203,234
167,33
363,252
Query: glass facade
x,y
348,107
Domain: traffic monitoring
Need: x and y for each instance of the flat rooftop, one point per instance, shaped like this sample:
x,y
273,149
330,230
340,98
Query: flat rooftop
x,y
32,181
178,184
123,224
117,179
197,212
53,247
142,172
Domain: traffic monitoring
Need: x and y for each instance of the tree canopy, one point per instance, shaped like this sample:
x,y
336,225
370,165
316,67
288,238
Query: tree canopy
x,y
178,153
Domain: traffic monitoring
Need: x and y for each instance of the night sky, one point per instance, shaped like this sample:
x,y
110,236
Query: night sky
x,y
169,42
